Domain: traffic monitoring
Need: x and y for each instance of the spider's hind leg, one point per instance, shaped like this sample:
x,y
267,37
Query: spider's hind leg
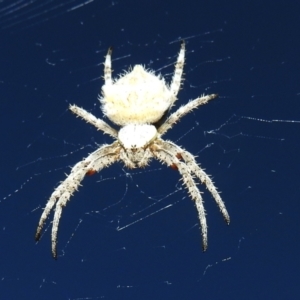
x,y
177,77
107,67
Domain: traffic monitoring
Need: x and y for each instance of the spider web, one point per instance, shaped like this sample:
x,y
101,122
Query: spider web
x,y
135,233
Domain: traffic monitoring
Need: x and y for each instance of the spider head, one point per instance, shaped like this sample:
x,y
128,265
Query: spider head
x,y
134,136
135,139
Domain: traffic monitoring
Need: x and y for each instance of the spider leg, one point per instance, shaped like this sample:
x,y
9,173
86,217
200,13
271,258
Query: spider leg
x,y
162,153
98,123
96,161
107,67
176,80
198,171
182,111
63,191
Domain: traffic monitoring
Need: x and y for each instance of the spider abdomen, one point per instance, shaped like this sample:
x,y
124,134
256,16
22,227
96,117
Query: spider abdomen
x,y
137,97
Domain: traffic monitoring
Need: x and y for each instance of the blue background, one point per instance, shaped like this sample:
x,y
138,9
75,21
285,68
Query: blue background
x,y
51,55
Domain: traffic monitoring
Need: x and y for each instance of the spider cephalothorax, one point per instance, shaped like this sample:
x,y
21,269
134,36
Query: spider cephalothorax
x,y
137,101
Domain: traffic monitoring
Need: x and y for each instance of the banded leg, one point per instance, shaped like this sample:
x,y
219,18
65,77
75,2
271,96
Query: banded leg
x,y
182,111
96,161
107,67
177,77
203,177
89,118
169,159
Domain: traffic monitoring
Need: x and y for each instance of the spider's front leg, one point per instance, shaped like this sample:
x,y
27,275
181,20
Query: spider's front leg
x,y
97,160
163,153
60,197
195,169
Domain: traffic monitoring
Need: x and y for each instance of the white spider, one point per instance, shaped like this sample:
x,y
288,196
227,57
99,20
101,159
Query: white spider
x,y
139,102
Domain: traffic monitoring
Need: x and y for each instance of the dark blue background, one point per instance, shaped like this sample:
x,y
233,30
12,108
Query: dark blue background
x,y
51,54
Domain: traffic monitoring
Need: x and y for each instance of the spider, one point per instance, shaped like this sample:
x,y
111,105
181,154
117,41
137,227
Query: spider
x,y
139,102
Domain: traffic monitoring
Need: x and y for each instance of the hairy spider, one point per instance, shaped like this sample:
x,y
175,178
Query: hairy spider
x,y
137,101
